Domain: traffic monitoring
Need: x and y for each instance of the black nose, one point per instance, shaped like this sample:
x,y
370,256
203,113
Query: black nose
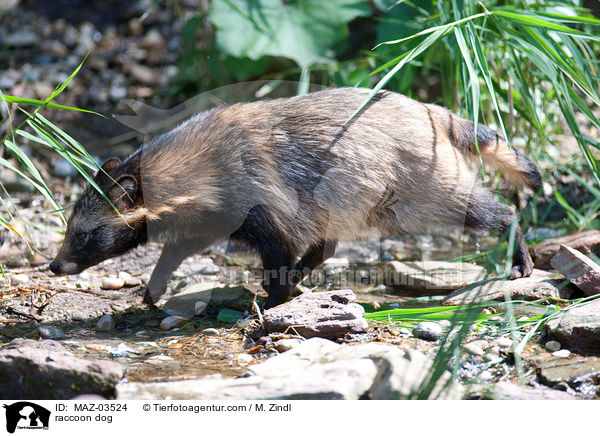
x,y
55,267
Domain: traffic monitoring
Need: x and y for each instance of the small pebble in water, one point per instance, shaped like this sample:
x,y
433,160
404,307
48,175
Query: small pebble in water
x,y
132,281
105,323
474,349
553,346
172,322
429,331
210,332
485,375
112,283
124,275
49,332
561,353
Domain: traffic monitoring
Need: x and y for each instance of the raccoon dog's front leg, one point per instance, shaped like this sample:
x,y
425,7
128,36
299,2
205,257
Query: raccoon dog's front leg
x,y
171,257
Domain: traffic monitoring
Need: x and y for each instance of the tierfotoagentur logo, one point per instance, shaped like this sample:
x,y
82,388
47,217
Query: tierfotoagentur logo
x,y
26,416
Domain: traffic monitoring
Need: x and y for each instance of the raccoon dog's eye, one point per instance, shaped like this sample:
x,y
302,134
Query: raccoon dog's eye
x,y
80,239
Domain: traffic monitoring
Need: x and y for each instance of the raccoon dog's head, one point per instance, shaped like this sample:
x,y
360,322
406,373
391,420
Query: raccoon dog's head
x,y
95,231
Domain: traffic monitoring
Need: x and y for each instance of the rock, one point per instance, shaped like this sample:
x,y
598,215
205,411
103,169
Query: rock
x,y
117,92
429,331
21,38
586,242
218,295
133,281
141,73
512,391
19,279
324,314
124,275
244,359
53,47
561,353
199,307
153,40
6,83
552,346
105,323
45,370
315,369
432,275
575,373
476,347
112,283
541,284
504,342
49,332
42,90
284,345
172,322
210,332
582,271
135,26
577,328
62,168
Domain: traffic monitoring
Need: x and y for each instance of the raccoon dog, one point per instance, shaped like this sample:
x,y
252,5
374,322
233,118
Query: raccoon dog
x,y
290,177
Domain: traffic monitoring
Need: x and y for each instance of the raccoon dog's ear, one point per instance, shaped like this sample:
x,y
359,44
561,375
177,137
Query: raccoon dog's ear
x,y
124,190
110,165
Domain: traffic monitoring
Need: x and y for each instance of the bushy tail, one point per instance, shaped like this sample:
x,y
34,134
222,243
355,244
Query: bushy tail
x,y
517,168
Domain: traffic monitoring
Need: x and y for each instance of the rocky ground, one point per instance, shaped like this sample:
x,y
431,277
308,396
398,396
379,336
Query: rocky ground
x,y
207,338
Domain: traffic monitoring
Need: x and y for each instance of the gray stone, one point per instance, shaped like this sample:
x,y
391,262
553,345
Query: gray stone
x,y
50,332
433,275
427,330
172,322
512,391
315,369
574,372
213,293
284,345
541,284
45,370
552,346
582,271
6,83
210,332
21,38
64,169
324,314
577,328
105,323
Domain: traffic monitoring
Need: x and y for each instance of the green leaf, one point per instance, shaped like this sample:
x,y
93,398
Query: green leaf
x,y
302,30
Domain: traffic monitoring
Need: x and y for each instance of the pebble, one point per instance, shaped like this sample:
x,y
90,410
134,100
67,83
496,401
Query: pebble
x,y
117,92
473,348
123,275
504,342
244,359
6,83
210,332
22,38
133,282
105,323
561,353
49,332
200,307
19,279
142,334
64,169
172,322
142,73
427,330
445,324
112,283
485,375
160,357
553,346
284,345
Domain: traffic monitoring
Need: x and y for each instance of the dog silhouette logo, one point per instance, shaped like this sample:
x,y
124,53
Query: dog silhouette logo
x,y
26,415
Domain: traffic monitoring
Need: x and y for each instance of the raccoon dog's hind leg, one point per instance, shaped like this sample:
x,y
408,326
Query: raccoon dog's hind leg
x,y
486,212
